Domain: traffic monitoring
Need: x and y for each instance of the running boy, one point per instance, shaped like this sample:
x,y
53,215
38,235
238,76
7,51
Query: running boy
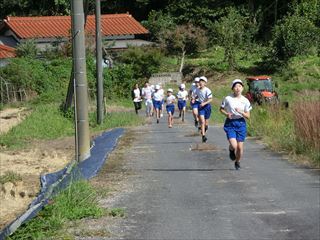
x,y
182,96
204,96
236,108
170,100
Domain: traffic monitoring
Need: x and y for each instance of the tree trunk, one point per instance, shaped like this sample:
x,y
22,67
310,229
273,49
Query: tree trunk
x,y
182,61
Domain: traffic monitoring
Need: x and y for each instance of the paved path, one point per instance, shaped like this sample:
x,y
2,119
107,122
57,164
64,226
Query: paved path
x,y
184,194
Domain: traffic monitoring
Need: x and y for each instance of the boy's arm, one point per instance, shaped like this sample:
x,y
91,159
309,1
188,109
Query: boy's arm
x,y
224,112
243,113
206,102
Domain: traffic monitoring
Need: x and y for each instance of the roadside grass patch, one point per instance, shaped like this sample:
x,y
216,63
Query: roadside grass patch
x,y
44,123
290,130
77,201
115,119
10,176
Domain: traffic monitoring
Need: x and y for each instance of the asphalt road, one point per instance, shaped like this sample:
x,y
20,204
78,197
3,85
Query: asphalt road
x,y
184,189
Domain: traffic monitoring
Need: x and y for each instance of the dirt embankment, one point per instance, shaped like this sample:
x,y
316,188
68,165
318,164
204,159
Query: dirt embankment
x,y
27,165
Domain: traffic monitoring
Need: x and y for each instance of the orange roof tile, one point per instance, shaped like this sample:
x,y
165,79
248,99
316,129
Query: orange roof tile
x,y
6,52
60,26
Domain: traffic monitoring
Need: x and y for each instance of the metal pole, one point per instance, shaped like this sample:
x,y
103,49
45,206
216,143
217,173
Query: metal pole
x,y
99,64
80,76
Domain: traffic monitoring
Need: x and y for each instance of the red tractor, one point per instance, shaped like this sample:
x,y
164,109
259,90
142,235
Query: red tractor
x,y
261,90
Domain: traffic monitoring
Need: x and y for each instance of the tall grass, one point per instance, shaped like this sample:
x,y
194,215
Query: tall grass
x,y
293,130
307,127
77,201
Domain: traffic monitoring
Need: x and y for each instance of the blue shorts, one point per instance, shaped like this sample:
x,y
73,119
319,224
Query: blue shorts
x,y
170,109
195,105
182,104
205,111
157,104
236,128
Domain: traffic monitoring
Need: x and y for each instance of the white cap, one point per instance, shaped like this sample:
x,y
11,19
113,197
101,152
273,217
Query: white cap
x,y
197,79
170,90
182,86
157,87
203,78
234,82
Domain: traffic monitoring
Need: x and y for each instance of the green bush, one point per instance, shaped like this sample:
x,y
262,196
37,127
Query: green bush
x,y
119,81
48,79
144,61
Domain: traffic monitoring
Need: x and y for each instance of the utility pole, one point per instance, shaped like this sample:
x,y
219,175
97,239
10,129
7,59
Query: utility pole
x,y
99,78
80,81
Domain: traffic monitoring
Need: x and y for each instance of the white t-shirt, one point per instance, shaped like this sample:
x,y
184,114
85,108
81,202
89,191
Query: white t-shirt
x,y
193,90
230,103
170,99
137,97
182,95
157,95
203,94
147,92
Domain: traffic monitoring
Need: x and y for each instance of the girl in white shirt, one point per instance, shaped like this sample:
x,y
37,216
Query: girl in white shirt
x,y
147,95
236,108
170,100
182,96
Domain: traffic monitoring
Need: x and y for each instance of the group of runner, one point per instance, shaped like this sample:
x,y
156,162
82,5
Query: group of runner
x,y
235,107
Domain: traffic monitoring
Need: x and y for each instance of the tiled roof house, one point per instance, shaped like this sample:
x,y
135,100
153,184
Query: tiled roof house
x,y
6,53
122,28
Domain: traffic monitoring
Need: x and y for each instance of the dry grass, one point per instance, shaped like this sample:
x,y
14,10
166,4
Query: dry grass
x,y
307,123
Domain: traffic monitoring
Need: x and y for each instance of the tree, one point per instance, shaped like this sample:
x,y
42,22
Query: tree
x,y
184,40
34,7
157,23
230,34
295,35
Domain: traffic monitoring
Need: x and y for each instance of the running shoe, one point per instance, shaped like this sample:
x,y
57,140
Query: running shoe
x,y
204,139
157,120
232,154
196,123
237,165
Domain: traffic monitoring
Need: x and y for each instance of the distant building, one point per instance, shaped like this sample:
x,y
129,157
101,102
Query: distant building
x,y
120,30
5,54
